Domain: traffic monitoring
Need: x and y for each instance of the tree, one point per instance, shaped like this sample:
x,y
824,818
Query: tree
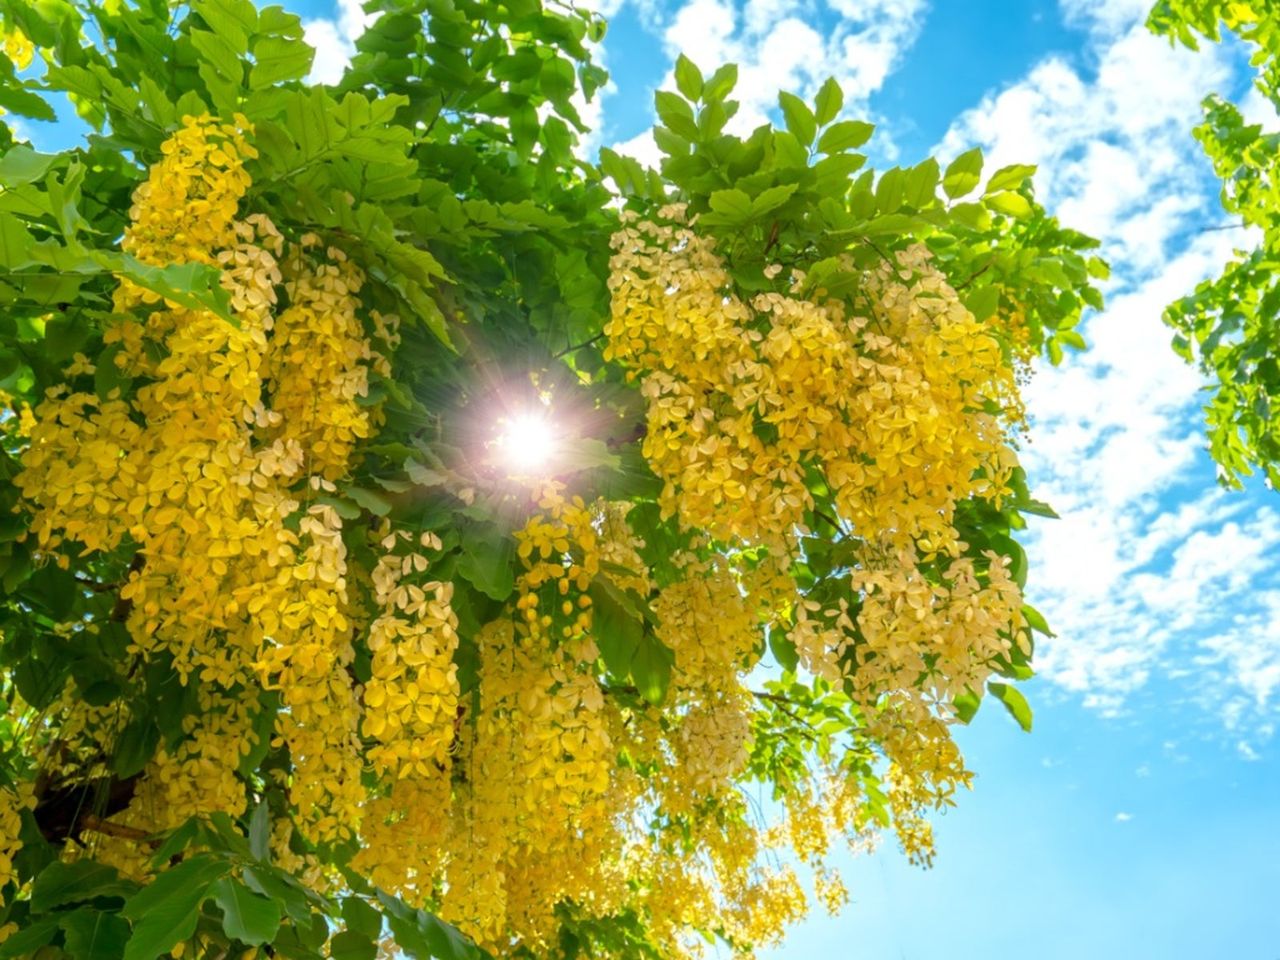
x,y
1228,325
419,531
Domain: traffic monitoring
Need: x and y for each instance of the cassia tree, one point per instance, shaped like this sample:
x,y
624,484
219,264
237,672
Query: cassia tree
x,y
419,537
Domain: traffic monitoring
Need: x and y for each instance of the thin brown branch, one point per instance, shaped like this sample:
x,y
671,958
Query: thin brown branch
x,y
96,824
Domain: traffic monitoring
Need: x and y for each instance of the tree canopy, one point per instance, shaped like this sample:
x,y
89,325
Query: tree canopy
x,y
1228,325
415,529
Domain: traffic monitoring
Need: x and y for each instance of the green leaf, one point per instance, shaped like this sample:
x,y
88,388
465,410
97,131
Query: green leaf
x,y
260,831
769,200
370,500
1073,339
1012,204
25,942
362,918
90,934
195,286
983,301
585,453
889,190
281,888
784,651
966,705
265,719
891,224
688,78
487,560
828,103
1010,177
1014,702
1036,621
799,118
26,103
972,215
246,916
62,883
351,945
165,913
278,58
720,83
423,936
921,185
651,669
22,165
16,242
963,173
845,135
617,627
135,746
676,114
731,207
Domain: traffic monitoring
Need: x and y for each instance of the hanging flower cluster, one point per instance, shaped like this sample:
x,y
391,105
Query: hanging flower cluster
x,y
233,432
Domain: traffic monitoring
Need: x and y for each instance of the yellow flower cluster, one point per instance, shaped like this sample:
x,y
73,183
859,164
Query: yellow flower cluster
x,y
890,404
900,404
412,699
559,548
712,743
317,365
233,431
707,619
13,800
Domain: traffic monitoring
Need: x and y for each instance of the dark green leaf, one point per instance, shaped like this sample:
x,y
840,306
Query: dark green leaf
x,y
90,934
260,831
246,916
617,627
360,917
351,945
165,913
62,883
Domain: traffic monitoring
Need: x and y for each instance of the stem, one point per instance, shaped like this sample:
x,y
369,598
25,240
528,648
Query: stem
x,y
585,343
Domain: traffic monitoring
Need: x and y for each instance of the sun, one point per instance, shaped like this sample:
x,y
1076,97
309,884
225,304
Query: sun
x,y
527,444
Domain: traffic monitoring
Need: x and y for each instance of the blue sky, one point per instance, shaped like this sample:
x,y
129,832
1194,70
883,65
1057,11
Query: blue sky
x,y
1140,819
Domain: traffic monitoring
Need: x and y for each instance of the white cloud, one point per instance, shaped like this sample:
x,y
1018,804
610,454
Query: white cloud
x,y
791,45
1153,573
334,40
1106,17
1123,817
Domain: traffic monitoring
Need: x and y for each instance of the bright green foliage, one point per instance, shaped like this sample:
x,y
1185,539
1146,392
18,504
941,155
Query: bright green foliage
x,y
1229,325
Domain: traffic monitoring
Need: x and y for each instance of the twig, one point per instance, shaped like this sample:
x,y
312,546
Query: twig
x,y
96,585
585,343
